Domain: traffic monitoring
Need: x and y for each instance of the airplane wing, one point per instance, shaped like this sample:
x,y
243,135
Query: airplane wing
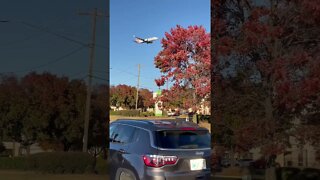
x,y
139,38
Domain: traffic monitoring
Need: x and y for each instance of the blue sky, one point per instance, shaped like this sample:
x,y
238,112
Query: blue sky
x,y
24,49
147,18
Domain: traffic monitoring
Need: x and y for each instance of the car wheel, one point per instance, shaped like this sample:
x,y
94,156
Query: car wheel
x,y
125,174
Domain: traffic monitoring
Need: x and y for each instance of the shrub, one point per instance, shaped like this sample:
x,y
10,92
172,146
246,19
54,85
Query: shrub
x,y
12,163
130,113
101,166
308,174
53,162
164,113
287,173
61,162
147,114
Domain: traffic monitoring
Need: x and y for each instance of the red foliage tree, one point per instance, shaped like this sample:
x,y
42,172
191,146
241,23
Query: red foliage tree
x,y
185,61
125,96
266,56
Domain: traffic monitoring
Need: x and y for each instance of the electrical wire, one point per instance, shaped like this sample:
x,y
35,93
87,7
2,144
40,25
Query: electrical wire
x,y
50,62
100,78
57,20
54,33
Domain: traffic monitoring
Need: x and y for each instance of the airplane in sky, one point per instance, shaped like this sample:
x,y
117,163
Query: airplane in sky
x,y
147,40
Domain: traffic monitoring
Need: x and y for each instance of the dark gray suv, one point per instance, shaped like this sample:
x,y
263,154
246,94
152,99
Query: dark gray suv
x,y
159,150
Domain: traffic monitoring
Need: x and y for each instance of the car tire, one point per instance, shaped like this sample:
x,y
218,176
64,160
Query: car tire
x,y
125,174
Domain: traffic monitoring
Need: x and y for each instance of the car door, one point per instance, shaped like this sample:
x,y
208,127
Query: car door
x,y
112,158
121,139
112,151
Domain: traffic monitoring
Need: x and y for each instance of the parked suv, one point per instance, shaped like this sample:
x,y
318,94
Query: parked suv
x,y
158,150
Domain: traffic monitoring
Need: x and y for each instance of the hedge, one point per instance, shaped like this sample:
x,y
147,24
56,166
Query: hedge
x,y
101,166
126,113
61,162
53,162
131,113
292,173
12,163
147,114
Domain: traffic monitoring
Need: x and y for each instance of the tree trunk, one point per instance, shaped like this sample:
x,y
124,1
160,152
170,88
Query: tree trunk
x,y
28,149
13,148
232,158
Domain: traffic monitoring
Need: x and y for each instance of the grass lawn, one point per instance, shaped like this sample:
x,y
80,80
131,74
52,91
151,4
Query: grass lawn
x,y
21,175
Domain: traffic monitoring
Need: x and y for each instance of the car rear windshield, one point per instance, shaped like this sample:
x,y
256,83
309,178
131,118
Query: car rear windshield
x,y
178,139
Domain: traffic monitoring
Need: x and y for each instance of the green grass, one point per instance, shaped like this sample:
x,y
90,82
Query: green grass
x,y
21,175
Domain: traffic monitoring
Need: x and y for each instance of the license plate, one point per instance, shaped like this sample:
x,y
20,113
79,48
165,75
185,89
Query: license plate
x,y
197,164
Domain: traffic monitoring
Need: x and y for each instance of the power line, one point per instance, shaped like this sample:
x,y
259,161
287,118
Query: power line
x,y
18,41
102,71
81,78
97,44
52,61
100,78
132,74
54,33
77,74
57,20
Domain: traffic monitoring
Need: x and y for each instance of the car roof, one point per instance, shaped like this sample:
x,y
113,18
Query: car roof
x,y
161,124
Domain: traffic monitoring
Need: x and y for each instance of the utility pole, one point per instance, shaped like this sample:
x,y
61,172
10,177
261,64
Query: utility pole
x,y
138,86
94,14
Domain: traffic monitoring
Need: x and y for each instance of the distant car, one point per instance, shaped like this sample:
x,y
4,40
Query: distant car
x,y
159,149
174,113
177,113
170,113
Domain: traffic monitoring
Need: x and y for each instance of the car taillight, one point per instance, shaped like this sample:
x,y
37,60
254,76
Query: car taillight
x,y
159,161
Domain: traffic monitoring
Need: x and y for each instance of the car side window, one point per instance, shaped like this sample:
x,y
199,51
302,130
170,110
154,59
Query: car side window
x,y
124,134
144,136
113,129
136,135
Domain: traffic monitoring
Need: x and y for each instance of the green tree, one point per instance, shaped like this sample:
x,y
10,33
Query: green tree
x,y
14,119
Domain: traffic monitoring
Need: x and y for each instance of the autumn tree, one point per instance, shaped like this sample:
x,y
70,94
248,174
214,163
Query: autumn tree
x,y
56,108
122,96
145,99
13,112
49,110
185,61
125,96
265,72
